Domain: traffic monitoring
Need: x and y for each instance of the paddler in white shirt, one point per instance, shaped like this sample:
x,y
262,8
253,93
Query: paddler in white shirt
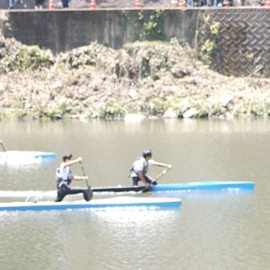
x,y
140,168
64,178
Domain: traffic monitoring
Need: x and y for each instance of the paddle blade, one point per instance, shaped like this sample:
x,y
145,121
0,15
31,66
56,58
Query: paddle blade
x,y
88,194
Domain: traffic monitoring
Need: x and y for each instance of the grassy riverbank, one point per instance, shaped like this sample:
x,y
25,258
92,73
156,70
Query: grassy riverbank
x,y
160,79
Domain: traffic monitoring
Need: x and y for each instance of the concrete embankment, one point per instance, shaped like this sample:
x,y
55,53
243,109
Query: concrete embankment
x,y
63,30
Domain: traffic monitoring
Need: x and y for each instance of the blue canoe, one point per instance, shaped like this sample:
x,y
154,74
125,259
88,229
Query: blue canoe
x,y
100,203
204,185
26,155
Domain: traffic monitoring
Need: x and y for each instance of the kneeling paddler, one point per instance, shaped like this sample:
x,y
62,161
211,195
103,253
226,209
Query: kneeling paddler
x,y
64,177
140,166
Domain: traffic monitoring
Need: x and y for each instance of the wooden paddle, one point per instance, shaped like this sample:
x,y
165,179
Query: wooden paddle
x,y
162,173
86,181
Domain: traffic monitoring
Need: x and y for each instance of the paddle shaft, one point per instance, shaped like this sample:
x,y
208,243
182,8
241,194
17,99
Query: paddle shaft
x,y
3,147
84,174
162,173
87,184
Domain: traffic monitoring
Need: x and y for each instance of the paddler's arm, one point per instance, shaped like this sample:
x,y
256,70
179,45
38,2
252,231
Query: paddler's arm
x,y
162,164
72,162
79,178
143,179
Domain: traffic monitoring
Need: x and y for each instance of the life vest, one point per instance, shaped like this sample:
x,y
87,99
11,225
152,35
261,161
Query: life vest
x,y
145,166
59,180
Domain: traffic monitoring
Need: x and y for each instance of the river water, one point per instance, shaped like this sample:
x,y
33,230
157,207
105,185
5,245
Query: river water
x,y
217,230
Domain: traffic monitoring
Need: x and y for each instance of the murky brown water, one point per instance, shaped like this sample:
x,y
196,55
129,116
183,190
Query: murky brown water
x,y
218,230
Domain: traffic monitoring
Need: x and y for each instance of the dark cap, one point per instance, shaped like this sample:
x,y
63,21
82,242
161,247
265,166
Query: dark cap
x,y
147,153
67,156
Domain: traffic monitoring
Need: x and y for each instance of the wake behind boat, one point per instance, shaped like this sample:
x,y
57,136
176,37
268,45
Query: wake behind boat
x,y
100,203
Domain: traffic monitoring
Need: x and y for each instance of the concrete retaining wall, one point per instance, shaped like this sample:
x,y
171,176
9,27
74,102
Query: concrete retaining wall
x,y
242,47
63,30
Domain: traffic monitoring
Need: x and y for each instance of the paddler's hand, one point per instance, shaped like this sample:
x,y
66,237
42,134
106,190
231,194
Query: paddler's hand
x,y
79,159
147,185
85,178
169,166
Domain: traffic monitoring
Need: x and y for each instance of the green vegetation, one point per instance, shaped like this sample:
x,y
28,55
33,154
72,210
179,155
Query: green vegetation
x,y
123,19
210,44
152,25
27,57
153,28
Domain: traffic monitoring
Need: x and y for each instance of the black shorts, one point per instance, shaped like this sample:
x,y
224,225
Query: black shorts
x,y
136,179
65,190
